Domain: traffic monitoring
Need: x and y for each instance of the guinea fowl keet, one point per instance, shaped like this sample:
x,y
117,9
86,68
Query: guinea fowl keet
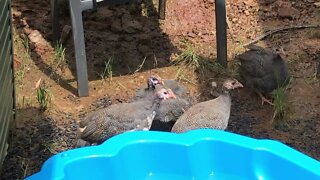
x,y
168,113
154,80
169,110
148,92
213,114
262,70
119,118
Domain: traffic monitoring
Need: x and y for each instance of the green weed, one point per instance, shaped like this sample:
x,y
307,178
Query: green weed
x,y
44,95
107,71
189,57
59,60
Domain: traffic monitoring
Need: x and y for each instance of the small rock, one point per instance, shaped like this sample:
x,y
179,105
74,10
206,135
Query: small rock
x,y
192,35
318,71
103,13
130,25
16,13
246,12
128,38
267,2
213,84
116,26
287,11
16,63
19,124
210,1
145,50
65,34
317,4
112,37
23,23
36,38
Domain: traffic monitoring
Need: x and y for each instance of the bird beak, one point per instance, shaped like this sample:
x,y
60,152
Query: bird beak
x,y
171,95
237,84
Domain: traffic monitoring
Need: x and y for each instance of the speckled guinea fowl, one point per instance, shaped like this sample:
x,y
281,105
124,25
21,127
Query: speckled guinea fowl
x,y
213,114
169,110
119,118
168,113
153,81
262,70
147,92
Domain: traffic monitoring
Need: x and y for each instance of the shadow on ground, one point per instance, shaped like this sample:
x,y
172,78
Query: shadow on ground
x,y
36,137
129,35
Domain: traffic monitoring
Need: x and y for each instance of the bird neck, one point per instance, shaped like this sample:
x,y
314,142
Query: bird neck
x,y
156,103
225,91
224,98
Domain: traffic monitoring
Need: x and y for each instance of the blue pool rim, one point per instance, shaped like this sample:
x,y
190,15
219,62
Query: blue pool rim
x,y
54,166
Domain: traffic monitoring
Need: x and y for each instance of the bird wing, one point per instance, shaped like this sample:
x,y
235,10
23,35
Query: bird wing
x,y
172,109
176,87
210,114
117,119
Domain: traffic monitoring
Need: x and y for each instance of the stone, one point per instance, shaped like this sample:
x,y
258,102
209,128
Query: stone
x,y
36,38
317,4
116,26
145,50
65,34
287,11
130,25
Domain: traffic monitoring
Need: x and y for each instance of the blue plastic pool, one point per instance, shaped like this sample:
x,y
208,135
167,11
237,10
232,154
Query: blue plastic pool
x,y
199,154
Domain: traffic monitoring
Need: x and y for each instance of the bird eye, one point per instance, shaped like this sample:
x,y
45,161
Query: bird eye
x,y
233,83
165,93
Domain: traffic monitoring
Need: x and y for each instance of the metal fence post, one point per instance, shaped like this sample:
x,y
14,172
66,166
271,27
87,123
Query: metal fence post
x,y
221,32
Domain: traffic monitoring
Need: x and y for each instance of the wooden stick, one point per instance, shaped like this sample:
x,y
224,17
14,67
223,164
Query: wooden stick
x,y
270,32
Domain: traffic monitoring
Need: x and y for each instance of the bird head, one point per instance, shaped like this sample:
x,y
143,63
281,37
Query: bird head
x,y
164,94
230,84
153,81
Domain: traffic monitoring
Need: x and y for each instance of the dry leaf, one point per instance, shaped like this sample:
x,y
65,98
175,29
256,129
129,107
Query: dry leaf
x,y
38,83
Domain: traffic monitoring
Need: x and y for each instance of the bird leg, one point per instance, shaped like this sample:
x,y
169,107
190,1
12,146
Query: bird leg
x,y
263,99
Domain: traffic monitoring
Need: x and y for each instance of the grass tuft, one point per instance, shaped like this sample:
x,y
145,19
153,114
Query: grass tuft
x,y
107,71
44,95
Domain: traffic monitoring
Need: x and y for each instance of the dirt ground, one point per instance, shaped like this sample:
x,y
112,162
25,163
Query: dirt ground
x,y
140,45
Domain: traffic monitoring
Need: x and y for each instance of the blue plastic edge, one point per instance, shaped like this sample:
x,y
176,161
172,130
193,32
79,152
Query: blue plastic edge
x,y
120,141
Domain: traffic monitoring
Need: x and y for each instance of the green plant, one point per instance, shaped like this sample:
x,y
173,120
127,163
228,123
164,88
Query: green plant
x,y
189,57
180,76
24,102
20,73
107,71
141,65
44,95
59,60
25,43
21,55
50,146
24,165
279,99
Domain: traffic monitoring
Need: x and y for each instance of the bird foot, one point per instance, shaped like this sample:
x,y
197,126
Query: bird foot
x,y
263,100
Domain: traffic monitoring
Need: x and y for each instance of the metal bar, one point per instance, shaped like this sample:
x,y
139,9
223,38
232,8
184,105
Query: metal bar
x,y
221,32
76,8
162,9
55,20
12,66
